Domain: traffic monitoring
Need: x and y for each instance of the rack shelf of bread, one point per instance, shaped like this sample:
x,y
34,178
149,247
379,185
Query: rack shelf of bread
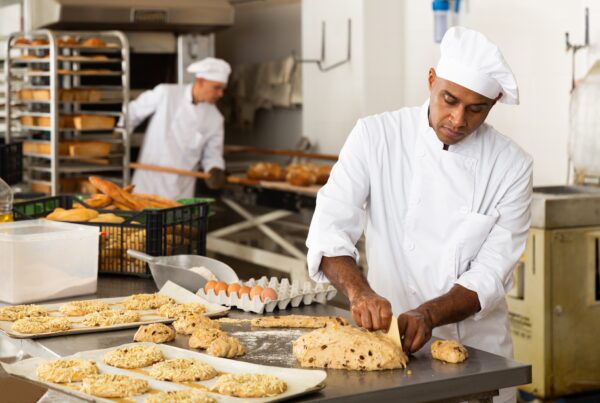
x,y
68,91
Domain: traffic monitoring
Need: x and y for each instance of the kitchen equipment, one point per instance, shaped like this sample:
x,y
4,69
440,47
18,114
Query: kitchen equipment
x,y
177,269
44,260
393,332
554,306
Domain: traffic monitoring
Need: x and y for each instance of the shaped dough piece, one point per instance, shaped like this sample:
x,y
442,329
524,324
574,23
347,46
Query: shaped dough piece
x,y
110,318
189,323
301,321
249,385
16,312
41,324
449,351
346,347
80,308
146,301
228,347
182,370
202,338
181,396
178,310
133,356
66,370
155,333
110,385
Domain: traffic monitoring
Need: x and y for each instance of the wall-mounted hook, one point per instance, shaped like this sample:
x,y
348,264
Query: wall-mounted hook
x,y
574,48
320,62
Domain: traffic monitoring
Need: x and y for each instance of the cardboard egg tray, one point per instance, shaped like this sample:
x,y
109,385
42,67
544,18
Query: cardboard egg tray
x,y
288,295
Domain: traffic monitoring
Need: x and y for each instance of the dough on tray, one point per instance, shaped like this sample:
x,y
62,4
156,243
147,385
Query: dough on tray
x,y
15,312
182,370
110,385
110,318
146,301
80,308
178,310
301,321
181,396
66,370
346,347
249,385
155,333
189,323
139,356
449,351
41,324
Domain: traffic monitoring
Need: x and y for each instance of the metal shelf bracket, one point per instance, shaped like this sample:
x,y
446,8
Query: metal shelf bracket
x,y
320,62
575,48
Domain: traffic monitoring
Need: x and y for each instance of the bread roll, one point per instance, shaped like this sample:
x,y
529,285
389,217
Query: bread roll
x,y
265,171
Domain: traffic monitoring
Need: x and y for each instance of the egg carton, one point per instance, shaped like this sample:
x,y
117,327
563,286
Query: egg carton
x,y
288,295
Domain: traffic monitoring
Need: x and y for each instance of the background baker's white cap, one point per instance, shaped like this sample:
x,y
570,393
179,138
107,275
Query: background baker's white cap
x,y
211,69
469,59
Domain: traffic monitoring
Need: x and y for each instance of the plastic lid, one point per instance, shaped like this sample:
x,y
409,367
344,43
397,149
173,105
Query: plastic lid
x,y
440,5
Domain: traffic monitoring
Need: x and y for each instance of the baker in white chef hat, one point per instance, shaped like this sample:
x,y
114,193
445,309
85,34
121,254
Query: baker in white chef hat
x,y
211,75
186,131
443,200
473,71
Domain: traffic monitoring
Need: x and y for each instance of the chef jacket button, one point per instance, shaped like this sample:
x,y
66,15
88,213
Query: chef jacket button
x,y
464,210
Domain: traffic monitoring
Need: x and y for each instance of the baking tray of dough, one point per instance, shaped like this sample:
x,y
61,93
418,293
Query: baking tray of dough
x,y
289,294
179,294
299,381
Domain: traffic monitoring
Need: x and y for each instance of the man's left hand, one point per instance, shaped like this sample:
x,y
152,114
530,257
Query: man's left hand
x,y
216,178
415,329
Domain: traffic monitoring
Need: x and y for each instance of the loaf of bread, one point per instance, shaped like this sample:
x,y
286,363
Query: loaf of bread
x,y
94,42
27,120
67,41
39,42
21,41
40,95
89,149
265,171
99,122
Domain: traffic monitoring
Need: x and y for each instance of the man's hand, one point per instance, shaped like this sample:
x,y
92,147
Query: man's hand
x,y
415,329
371,311
216,178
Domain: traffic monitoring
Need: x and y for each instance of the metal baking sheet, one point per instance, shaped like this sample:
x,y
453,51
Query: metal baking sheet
x,y
299,381
179,294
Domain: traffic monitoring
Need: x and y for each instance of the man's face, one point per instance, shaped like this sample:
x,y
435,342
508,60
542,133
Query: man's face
x,y
209,91
455,111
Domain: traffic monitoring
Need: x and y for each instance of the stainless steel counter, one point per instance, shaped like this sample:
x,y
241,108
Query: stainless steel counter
x,y
426,380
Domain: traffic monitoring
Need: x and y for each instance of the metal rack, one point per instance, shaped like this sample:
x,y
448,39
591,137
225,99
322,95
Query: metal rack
x,y
57,66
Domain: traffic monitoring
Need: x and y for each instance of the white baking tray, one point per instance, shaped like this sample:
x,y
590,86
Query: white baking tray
x,y
299,381
179,294
289,294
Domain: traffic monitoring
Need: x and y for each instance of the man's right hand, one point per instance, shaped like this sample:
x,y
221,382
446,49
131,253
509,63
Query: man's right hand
x,y
371,311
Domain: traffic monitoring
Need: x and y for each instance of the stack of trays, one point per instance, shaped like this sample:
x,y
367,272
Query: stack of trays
x,y
288,295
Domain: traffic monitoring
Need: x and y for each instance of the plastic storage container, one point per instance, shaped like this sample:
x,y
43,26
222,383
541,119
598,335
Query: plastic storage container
x,y
441,9
162,232
42,260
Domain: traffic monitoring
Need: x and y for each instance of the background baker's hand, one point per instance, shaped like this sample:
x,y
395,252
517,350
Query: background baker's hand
x,y
216,178
415,329
371,311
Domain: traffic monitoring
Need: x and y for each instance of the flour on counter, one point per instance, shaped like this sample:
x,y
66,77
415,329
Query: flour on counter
x,y
270,347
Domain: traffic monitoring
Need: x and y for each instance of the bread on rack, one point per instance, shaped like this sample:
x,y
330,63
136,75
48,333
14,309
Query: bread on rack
x,y
39,42
67,41
40,95
301,177
94,42
98,122
21,40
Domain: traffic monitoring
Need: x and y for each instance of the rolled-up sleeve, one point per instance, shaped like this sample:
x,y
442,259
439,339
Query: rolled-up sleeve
x,y
490,272
339,217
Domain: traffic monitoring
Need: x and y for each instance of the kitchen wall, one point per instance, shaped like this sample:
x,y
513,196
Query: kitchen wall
x,y
263,31
393,48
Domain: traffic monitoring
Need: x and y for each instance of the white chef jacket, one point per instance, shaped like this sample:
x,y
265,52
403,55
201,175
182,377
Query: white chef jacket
x,y
181,135
432,218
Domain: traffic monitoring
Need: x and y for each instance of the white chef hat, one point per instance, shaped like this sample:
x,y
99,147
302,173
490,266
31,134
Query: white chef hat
x,y
469,59
211,69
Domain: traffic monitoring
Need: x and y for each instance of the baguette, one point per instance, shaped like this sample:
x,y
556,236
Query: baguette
x,y
116,193
108,218
129,188
80,214
120,206
98,200
157,199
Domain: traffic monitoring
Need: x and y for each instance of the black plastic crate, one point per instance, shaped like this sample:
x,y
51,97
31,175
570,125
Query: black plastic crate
x,y
11,163
161,232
